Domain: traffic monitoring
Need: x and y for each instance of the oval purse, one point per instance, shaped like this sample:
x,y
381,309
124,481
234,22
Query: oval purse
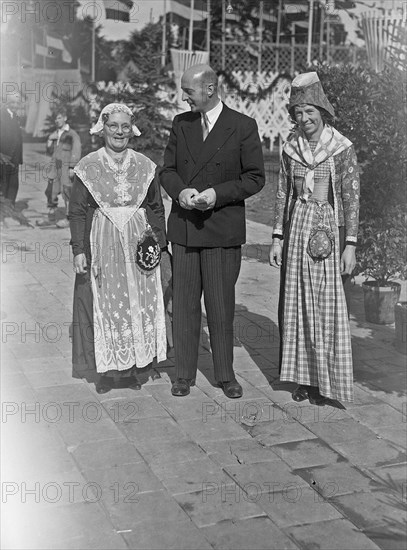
x,y
320,243
148,252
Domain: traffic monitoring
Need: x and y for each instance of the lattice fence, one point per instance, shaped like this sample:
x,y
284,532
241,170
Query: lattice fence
x,y
271,112
244,56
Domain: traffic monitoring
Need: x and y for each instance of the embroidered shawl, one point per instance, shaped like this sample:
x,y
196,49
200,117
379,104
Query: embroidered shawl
x,y
118,190
331,143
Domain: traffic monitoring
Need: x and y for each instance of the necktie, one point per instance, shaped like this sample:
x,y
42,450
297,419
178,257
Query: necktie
x,y
205,126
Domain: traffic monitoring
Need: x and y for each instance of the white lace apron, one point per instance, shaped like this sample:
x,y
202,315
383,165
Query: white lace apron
x,y
128,306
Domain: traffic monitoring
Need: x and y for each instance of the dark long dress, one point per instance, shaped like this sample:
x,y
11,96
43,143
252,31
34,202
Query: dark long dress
x,y
81,212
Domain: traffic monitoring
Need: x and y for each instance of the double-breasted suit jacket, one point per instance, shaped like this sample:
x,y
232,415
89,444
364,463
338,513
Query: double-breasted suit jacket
x,y
11,154
11,141
230,160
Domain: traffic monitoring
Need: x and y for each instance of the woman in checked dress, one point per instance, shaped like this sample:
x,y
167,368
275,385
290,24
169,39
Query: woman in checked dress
x,y
314,239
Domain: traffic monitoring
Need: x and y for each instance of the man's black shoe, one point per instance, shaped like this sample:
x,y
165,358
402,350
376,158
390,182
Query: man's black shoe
x,y
231,389
181,386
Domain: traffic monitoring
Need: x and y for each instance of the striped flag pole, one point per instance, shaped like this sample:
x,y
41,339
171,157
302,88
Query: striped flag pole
x,y
93,47
164,36
191,25
311,13
208,27
280,9
223,33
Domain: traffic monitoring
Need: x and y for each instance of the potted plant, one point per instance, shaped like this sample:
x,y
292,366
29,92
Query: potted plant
x,y
382,257
400,318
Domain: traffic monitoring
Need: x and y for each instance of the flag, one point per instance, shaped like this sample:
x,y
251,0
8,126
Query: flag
x,y
57,44
182,8
43,51
119,10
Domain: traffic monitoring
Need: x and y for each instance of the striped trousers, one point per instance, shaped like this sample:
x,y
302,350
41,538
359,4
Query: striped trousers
x,y
213,271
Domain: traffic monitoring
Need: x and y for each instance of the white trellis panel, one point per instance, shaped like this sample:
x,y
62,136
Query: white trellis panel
x,y
271,112
182,60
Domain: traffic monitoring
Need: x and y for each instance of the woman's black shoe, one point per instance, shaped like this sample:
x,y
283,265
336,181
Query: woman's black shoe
x,y
315,398
300,393
155,375
134,383
103,385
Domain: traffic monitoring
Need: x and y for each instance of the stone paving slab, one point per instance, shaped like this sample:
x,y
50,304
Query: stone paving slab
x,y
132,510
310,452
380,415
218,503
337,479
368,510
102,453
335,534
238,451
297,505
162,453
280,431
256,533
180,535
340,431
393,477
264,478
370,452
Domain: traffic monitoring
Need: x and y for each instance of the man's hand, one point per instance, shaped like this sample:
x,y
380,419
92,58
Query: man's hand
x,y
185,198
205,200
71,173
79,263
348,260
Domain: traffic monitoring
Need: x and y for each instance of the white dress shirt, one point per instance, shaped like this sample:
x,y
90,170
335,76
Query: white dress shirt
x,y
213,115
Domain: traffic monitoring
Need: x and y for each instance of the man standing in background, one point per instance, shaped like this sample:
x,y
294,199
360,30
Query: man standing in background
x,y
11,148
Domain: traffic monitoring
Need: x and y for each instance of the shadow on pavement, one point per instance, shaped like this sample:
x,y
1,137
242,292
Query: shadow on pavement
x,y
377,365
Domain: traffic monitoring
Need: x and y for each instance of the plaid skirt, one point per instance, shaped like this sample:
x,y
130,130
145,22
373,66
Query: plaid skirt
x,y
315,333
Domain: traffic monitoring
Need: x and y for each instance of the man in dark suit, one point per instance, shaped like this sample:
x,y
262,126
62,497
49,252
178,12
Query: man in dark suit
x,y
212,163
11,147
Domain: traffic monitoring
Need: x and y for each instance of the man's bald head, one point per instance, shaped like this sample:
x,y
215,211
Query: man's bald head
x,y
203,73
199,84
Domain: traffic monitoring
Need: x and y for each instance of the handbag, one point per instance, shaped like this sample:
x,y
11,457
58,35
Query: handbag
x,y
321,239
148,252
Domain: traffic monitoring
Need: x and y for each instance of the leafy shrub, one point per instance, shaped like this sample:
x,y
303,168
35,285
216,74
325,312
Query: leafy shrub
x,y
370,110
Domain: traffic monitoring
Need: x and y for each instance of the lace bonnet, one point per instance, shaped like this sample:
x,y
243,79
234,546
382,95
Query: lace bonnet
x,y
108,110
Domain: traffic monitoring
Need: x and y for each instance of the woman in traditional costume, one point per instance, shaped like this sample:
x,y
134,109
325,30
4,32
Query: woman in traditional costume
x,y
315,233
118,230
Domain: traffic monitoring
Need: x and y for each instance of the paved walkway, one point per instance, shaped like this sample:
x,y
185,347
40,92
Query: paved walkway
x,y
145,470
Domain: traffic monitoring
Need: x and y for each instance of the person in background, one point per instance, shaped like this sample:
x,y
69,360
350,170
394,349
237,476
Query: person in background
x,y
64,146
11,148
118,240
314,240
212,163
